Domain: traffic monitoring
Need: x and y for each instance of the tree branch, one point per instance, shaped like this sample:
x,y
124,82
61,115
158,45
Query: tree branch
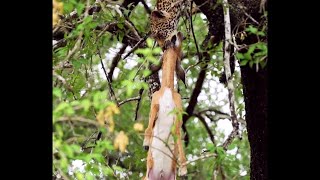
x,y
138,104
194,37
194,97
129,100
111,92
116,60
206,126
80,119
146,7
214,110
136,46
230,87
202,157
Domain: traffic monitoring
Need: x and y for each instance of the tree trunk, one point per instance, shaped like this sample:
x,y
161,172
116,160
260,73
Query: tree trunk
x,y
256,102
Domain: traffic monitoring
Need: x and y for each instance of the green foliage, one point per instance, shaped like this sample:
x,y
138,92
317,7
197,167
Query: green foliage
x,y
256,53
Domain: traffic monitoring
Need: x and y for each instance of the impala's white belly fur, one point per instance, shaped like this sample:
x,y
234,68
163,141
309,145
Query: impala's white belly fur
x,y
162,138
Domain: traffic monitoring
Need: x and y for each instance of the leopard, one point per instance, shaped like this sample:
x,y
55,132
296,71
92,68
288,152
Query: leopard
x,y
164,20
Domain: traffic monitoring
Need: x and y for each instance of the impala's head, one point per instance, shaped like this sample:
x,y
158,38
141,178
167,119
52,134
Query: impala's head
x,y
174,41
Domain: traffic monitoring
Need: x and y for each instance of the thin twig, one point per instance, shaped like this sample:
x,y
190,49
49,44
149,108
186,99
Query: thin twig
x,y
128,100
105,29
87,140
127,21
112,94
214,110
194,37
167,146
78,118
146,7
193,65
136,46
202,157
116,60
251,18
138,104
206,126
131,27
230,87
64,82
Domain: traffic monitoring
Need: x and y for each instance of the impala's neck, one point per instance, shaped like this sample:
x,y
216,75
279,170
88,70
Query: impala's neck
x,y
168,67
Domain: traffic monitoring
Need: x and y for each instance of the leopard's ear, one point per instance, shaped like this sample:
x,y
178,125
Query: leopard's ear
x,y
181,36
173,39
157,14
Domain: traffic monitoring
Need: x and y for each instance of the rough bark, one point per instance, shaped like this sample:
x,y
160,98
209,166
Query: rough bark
x,y
255,93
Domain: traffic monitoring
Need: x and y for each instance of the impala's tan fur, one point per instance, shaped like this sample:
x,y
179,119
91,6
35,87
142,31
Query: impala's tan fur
x,y
163,150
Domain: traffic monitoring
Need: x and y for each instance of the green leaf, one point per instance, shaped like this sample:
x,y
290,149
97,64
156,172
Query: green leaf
x,y
247,56
80,8
120,25
120,36
67,150
98,156
117,168
157,50
85,104
132,74
92,25
79,176
61,107
243,62
263,64
252,29
152,59
252,47
64,163
79,28
80,83
211,147
146,72
239,56
99,99
75,148
145,52
75,103
149,42
107,171
67,8
232,146
57,92
251,64
76,64
89,176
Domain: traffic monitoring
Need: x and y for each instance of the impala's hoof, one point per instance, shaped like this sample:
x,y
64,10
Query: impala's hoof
x,y
185,177
146,148
183,171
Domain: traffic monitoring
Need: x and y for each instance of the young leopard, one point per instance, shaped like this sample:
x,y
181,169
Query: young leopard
x,y
164,20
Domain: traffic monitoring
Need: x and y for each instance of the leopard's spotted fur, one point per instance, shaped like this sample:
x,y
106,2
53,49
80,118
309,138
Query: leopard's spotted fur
x,y
164,19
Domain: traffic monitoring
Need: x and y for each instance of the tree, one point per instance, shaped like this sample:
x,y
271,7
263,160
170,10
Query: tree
x,y
101,89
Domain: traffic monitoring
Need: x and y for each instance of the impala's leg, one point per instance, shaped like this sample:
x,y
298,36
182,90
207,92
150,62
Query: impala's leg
x,y
178,123
149,165
152,118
